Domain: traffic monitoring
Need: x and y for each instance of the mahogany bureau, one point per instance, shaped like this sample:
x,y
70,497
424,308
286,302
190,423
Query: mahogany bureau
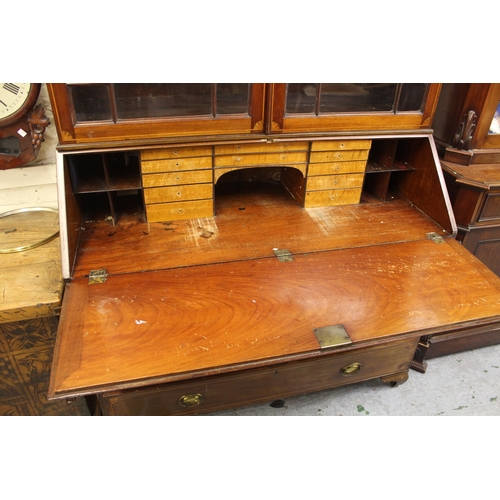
x,y
205,271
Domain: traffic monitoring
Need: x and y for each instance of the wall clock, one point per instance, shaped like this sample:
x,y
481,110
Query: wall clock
x,y
22,124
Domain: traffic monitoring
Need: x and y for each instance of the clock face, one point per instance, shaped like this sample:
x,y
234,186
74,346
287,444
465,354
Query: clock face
x,y
13,97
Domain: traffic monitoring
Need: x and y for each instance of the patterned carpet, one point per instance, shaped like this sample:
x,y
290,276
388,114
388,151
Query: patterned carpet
x,y
26,349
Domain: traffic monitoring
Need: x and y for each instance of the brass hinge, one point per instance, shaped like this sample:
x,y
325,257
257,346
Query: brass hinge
x,y
435,237
283,255
332,336
97,276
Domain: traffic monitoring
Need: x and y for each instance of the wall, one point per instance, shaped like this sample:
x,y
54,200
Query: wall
x,y
34,184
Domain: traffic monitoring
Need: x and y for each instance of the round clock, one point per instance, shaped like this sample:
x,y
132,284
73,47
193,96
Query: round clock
x,y
22,124
16,100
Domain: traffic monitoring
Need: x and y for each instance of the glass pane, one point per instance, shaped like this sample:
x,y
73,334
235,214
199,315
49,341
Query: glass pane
x,y
91,102
356,97
412,96
232,98
495,123
301,97
10,146
154,100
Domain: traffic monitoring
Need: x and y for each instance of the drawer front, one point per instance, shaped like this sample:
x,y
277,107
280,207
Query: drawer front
x,y
332,156
261,159
491,209
170,153
164,212
340,145
178,193
236,149
343,167
158,166
177,178
263,384
218,172
332,198
334,182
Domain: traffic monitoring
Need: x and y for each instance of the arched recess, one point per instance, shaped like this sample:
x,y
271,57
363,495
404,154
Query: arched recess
x,y
265,184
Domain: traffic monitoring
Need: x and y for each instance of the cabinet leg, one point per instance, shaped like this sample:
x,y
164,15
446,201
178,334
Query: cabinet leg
x,y
418,363
395,379
93,405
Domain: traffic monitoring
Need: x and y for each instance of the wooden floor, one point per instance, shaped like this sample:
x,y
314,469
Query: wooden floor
x,y
26,349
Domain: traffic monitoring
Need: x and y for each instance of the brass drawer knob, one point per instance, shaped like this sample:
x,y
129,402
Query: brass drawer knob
x,y
351,369
189,400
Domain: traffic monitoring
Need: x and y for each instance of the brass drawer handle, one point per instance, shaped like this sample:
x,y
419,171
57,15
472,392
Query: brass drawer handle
x,y
189,400
350,369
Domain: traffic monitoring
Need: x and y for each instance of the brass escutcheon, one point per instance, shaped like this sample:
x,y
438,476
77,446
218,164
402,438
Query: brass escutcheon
x,y
351,369
189,400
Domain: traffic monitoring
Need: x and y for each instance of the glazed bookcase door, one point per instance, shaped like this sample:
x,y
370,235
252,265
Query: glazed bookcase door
x,y
105,112
318,107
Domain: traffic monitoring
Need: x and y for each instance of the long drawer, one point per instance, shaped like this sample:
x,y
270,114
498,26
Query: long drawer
x,y
177,178
342,167
334,182
178,193
332,197
193,209
264,384
177,152
157,166
330,156
337,145
286,158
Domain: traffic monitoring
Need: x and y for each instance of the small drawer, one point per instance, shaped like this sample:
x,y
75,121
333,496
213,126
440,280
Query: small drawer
x,y
260,159
339,145
178,193
163,212
332,198
177,178
158,166
171,153
491,208
335,156
278,147
263,384
321,182
343,167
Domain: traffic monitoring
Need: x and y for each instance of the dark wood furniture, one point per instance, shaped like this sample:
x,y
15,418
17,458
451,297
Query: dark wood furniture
x,y
467,132
210,271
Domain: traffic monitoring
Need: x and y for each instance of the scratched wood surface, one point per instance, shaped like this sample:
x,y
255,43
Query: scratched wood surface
x,y
30,281
180,322
248,224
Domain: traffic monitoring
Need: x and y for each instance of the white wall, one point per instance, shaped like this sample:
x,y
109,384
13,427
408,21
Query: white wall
x,y
34,184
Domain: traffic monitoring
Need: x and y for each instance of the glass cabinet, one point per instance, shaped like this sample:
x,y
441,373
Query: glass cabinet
x,y
131,101
99,113
105,112
321,107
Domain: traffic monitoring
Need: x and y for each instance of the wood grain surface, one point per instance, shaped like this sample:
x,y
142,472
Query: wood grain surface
x,y
138,327
248,224
30,281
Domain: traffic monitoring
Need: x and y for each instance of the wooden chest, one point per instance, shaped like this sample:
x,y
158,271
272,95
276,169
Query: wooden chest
x,y
229,274
32,287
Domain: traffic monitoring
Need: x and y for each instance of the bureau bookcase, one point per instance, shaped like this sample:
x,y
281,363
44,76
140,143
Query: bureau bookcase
x,y
249,242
